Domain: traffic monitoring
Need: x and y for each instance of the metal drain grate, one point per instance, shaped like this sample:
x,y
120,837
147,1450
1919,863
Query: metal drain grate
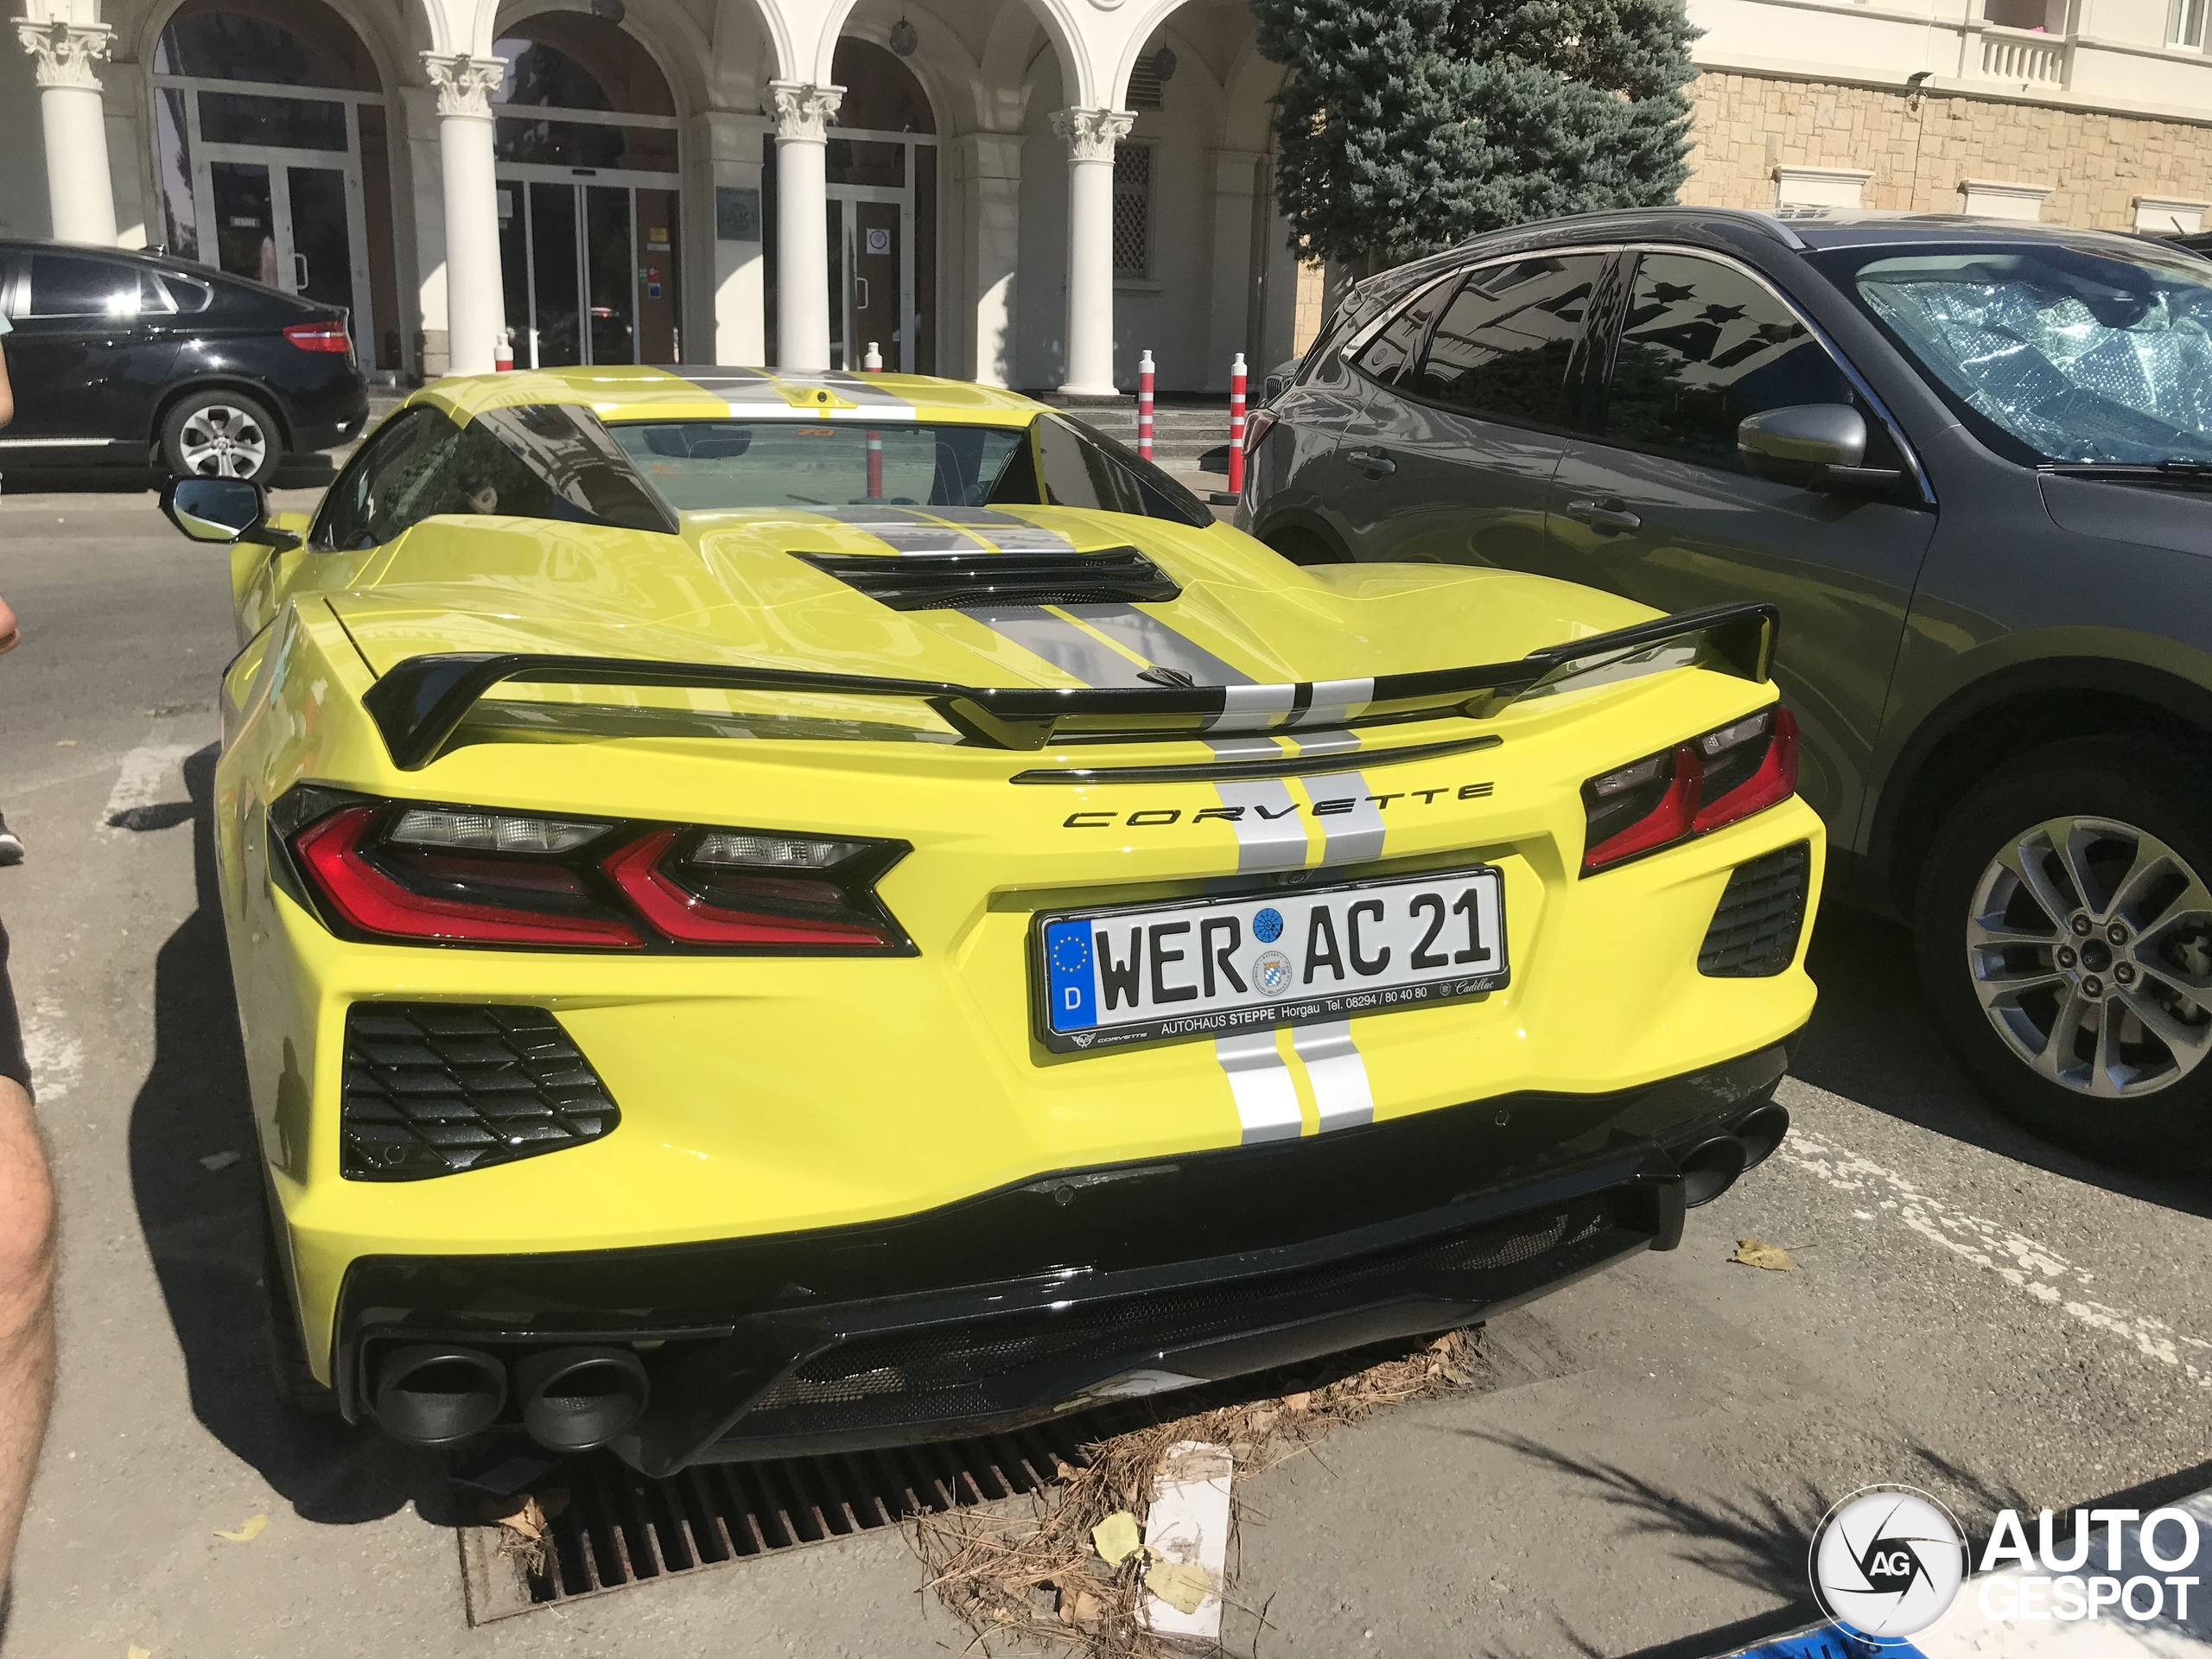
x,y
620,1528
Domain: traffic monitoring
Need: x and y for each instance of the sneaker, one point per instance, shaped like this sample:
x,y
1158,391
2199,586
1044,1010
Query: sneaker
x,y
11,850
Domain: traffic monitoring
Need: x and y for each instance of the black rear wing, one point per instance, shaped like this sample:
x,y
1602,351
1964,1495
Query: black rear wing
x,y
419,705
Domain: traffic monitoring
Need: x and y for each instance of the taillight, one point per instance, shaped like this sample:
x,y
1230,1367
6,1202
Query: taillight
x,y
319,337
469,875
1257,425
1690,790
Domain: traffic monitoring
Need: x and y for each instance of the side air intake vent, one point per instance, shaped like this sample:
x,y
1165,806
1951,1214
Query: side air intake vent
x,y
947,582
1754,931
433,1088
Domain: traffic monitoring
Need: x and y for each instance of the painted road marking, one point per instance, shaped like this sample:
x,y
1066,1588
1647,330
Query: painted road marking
x,y
145,769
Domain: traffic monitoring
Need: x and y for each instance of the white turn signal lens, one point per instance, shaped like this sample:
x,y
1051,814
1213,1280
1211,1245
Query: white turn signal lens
x,y
490,832
772,852
1628,777
1734,737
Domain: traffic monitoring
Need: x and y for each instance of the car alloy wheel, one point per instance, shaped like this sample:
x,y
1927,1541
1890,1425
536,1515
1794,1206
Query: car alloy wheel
x,y
222,440
2089,943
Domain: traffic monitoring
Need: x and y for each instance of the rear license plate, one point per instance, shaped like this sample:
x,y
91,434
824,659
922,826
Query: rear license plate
x,y
1140,973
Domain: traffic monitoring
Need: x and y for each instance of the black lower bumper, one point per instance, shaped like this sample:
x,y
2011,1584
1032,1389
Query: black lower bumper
x,y
1089,1284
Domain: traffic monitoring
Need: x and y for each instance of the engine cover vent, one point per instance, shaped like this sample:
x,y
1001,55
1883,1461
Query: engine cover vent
x,y
951,582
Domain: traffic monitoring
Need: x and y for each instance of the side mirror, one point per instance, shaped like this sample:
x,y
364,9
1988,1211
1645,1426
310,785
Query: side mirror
x,y
1813,446
221,511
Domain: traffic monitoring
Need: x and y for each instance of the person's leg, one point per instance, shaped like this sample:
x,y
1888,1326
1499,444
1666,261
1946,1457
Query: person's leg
x,y
26,1277
11,849
26,1307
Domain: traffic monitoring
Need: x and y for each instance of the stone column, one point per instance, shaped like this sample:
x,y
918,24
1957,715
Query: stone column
x,y
990,165
802,112
475,300
730,142
1090,136
80,192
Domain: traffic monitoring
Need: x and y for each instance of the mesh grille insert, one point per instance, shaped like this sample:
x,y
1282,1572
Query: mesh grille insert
x,y
940,581
1754,932
433,1088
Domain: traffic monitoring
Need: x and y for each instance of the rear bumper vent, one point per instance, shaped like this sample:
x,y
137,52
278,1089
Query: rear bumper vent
x,y
434,1089
1754,932
945,581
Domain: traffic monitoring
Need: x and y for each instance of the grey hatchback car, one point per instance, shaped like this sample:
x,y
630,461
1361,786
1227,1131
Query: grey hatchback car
x,y
1971,461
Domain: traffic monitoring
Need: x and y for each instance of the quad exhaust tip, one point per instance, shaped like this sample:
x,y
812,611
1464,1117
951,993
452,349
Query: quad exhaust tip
x,y
577,1399
434,1395
1711,1168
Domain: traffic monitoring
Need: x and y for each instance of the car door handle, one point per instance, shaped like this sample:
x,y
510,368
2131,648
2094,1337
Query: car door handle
x,y
1373,462
300,273
1612,514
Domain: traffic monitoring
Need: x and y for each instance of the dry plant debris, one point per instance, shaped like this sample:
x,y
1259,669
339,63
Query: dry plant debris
x,y
525,1522
1044,1576
1773,1258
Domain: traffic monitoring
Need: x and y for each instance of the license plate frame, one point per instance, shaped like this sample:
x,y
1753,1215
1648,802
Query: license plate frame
x,y
1293,1008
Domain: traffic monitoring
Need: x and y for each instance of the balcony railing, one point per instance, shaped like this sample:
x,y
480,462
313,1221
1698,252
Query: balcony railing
x,y
2023,56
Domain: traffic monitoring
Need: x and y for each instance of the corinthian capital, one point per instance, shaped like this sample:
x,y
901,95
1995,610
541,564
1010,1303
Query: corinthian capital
x,y
804,109
1092,134
465,84
67,52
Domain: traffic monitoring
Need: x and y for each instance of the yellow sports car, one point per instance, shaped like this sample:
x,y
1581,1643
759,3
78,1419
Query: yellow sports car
x,y
776,912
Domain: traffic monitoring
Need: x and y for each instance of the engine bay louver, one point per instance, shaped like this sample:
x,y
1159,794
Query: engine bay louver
x,y
946,581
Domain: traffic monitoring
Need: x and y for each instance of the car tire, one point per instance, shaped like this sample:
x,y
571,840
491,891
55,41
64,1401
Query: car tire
x,y
289,1371
2063,901
219,433
1303,546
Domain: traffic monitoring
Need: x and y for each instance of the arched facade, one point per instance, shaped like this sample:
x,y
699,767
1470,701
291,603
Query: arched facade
x,y
999,189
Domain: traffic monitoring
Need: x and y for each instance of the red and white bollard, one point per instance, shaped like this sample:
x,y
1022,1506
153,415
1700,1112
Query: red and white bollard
x,y
502,353
1236,426
875,465
873,363
1144,406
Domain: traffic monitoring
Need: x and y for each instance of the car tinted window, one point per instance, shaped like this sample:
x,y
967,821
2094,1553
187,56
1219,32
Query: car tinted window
x,y
64,285
1385,356
538,462
1074,467
1502,345
1703,345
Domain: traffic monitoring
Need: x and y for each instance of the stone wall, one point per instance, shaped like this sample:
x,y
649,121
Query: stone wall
x,y
1920,148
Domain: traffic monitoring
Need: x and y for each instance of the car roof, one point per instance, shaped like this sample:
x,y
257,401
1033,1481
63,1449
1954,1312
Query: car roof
x,y
1797,229
623,392
156,260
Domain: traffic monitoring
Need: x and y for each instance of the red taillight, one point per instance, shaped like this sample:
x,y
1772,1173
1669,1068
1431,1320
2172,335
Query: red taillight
x,y
319,337
690,918
487,876
1696,787
375,902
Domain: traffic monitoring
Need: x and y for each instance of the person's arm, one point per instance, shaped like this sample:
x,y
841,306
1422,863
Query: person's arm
x,y
7,393
10,635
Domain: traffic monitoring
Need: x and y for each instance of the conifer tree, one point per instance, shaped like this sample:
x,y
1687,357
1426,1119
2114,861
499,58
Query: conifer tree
x,y
1408,125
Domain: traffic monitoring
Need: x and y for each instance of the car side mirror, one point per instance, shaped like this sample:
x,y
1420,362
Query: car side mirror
x,y
1813,446
222,511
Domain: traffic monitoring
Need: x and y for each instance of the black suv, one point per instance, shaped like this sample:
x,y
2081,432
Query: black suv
x,y
1970,460
131,359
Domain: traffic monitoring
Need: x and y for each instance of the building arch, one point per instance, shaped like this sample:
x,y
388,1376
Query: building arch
x,y
678,50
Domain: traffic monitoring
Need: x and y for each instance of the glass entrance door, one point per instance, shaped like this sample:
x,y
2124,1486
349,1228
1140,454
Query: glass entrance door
x,y
294,223
871,276
589,270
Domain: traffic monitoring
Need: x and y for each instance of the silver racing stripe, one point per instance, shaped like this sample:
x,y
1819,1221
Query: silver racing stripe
x,y
1005,531
1335,701
1339,1074
1269,834
1267,1099
1060,642
1155,641
1349,836
1249,708
1328,743
908,531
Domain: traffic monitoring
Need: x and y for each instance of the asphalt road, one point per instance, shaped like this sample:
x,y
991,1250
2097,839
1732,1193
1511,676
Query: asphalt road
x,y
1971,1311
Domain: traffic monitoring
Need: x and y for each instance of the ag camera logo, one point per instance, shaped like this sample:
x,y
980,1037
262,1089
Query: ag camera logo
x,y
1888,1562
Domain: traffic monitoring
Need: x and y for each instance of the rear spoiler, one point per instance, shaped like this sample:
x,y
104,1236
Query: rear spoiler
x,y
419,705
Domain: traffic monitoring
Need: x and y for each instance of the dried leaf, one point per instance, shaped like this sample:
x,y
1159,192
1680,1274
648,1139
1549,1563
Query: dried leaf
x,y
1117,1538
252,1527
1773,1258
1298,1401
138,1653
1181,1585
